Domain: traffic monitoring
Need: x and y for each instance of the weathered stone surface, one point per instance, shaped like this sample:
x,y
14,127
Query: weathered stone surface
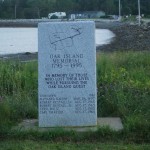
x,y
67,74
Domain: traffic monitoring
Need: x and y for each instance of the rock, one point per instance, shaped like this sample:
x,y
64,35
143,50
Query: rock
x,y
148,24
27,53
145,28
129,37
141,35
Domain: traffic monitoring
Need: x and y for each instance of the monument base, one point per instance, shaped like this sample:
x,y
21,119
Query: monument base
x,y
113,123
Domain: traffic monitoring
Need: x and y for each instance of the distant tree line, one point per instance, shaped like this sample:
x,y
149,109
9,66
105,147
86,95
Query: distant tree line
x,y
10,9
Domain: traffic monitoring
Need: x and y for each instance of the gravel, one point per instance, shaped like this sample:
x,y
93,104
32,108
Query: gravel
x,y
128,38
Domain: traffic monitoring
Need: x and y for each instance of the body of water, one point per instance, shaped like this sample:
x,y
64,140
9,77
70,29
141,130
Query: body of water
x,y
20,40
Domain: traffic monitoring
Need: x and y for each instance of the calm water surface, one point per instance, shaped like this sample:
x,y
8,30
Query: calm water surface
x,y
20,40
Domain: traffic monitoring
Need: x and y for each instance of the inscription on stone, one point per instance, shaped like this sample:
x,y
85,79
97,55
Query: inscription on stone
x,y
67,74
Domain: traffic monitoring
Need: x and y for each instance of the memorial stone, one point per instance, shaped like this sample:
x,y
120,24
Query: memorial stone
x,y
67,74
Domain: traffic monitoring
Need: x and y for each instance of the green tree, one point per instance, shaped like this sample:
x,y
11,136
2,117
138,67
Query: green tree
x,y
41,8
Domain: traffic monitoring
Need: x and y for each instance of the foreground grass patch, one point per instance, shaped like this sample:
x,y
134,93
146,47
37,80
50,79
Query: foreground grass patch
x,y
124,88
123,83
36,145
18,91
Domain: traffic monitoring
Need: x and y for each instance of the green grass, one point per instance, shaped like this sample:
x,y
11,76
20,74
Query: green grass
x,y
124,89
36,145
18,91
124,85
123,82
130,19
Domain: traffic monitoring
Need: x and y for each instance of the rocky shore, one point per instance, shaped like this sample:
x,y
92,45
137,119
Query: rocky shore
x,y
23,57
22,22
128,38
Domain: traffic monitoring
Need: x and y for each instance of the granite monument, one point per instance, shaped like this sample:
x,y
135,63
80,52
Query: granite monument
x,y
67,74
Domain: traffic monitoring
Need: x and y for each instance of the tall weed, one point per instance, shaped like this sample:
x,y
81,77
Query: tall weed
x,y
124,84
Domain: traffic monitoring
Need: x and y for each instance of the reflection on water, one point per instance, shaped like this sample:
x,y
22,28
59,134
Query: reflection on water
x,y
20,40
103,36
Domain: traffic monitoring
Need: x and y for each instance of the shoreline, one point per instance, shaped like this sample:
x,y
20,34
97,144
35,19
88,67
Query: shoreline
x,y
128,38
23,57
22,22
34,22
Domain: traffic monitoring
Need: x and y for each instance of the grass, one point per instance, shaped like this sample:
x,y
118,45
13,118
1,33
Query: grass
x,y
124,85
124,89
18,91
130,18
123,82
36,145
